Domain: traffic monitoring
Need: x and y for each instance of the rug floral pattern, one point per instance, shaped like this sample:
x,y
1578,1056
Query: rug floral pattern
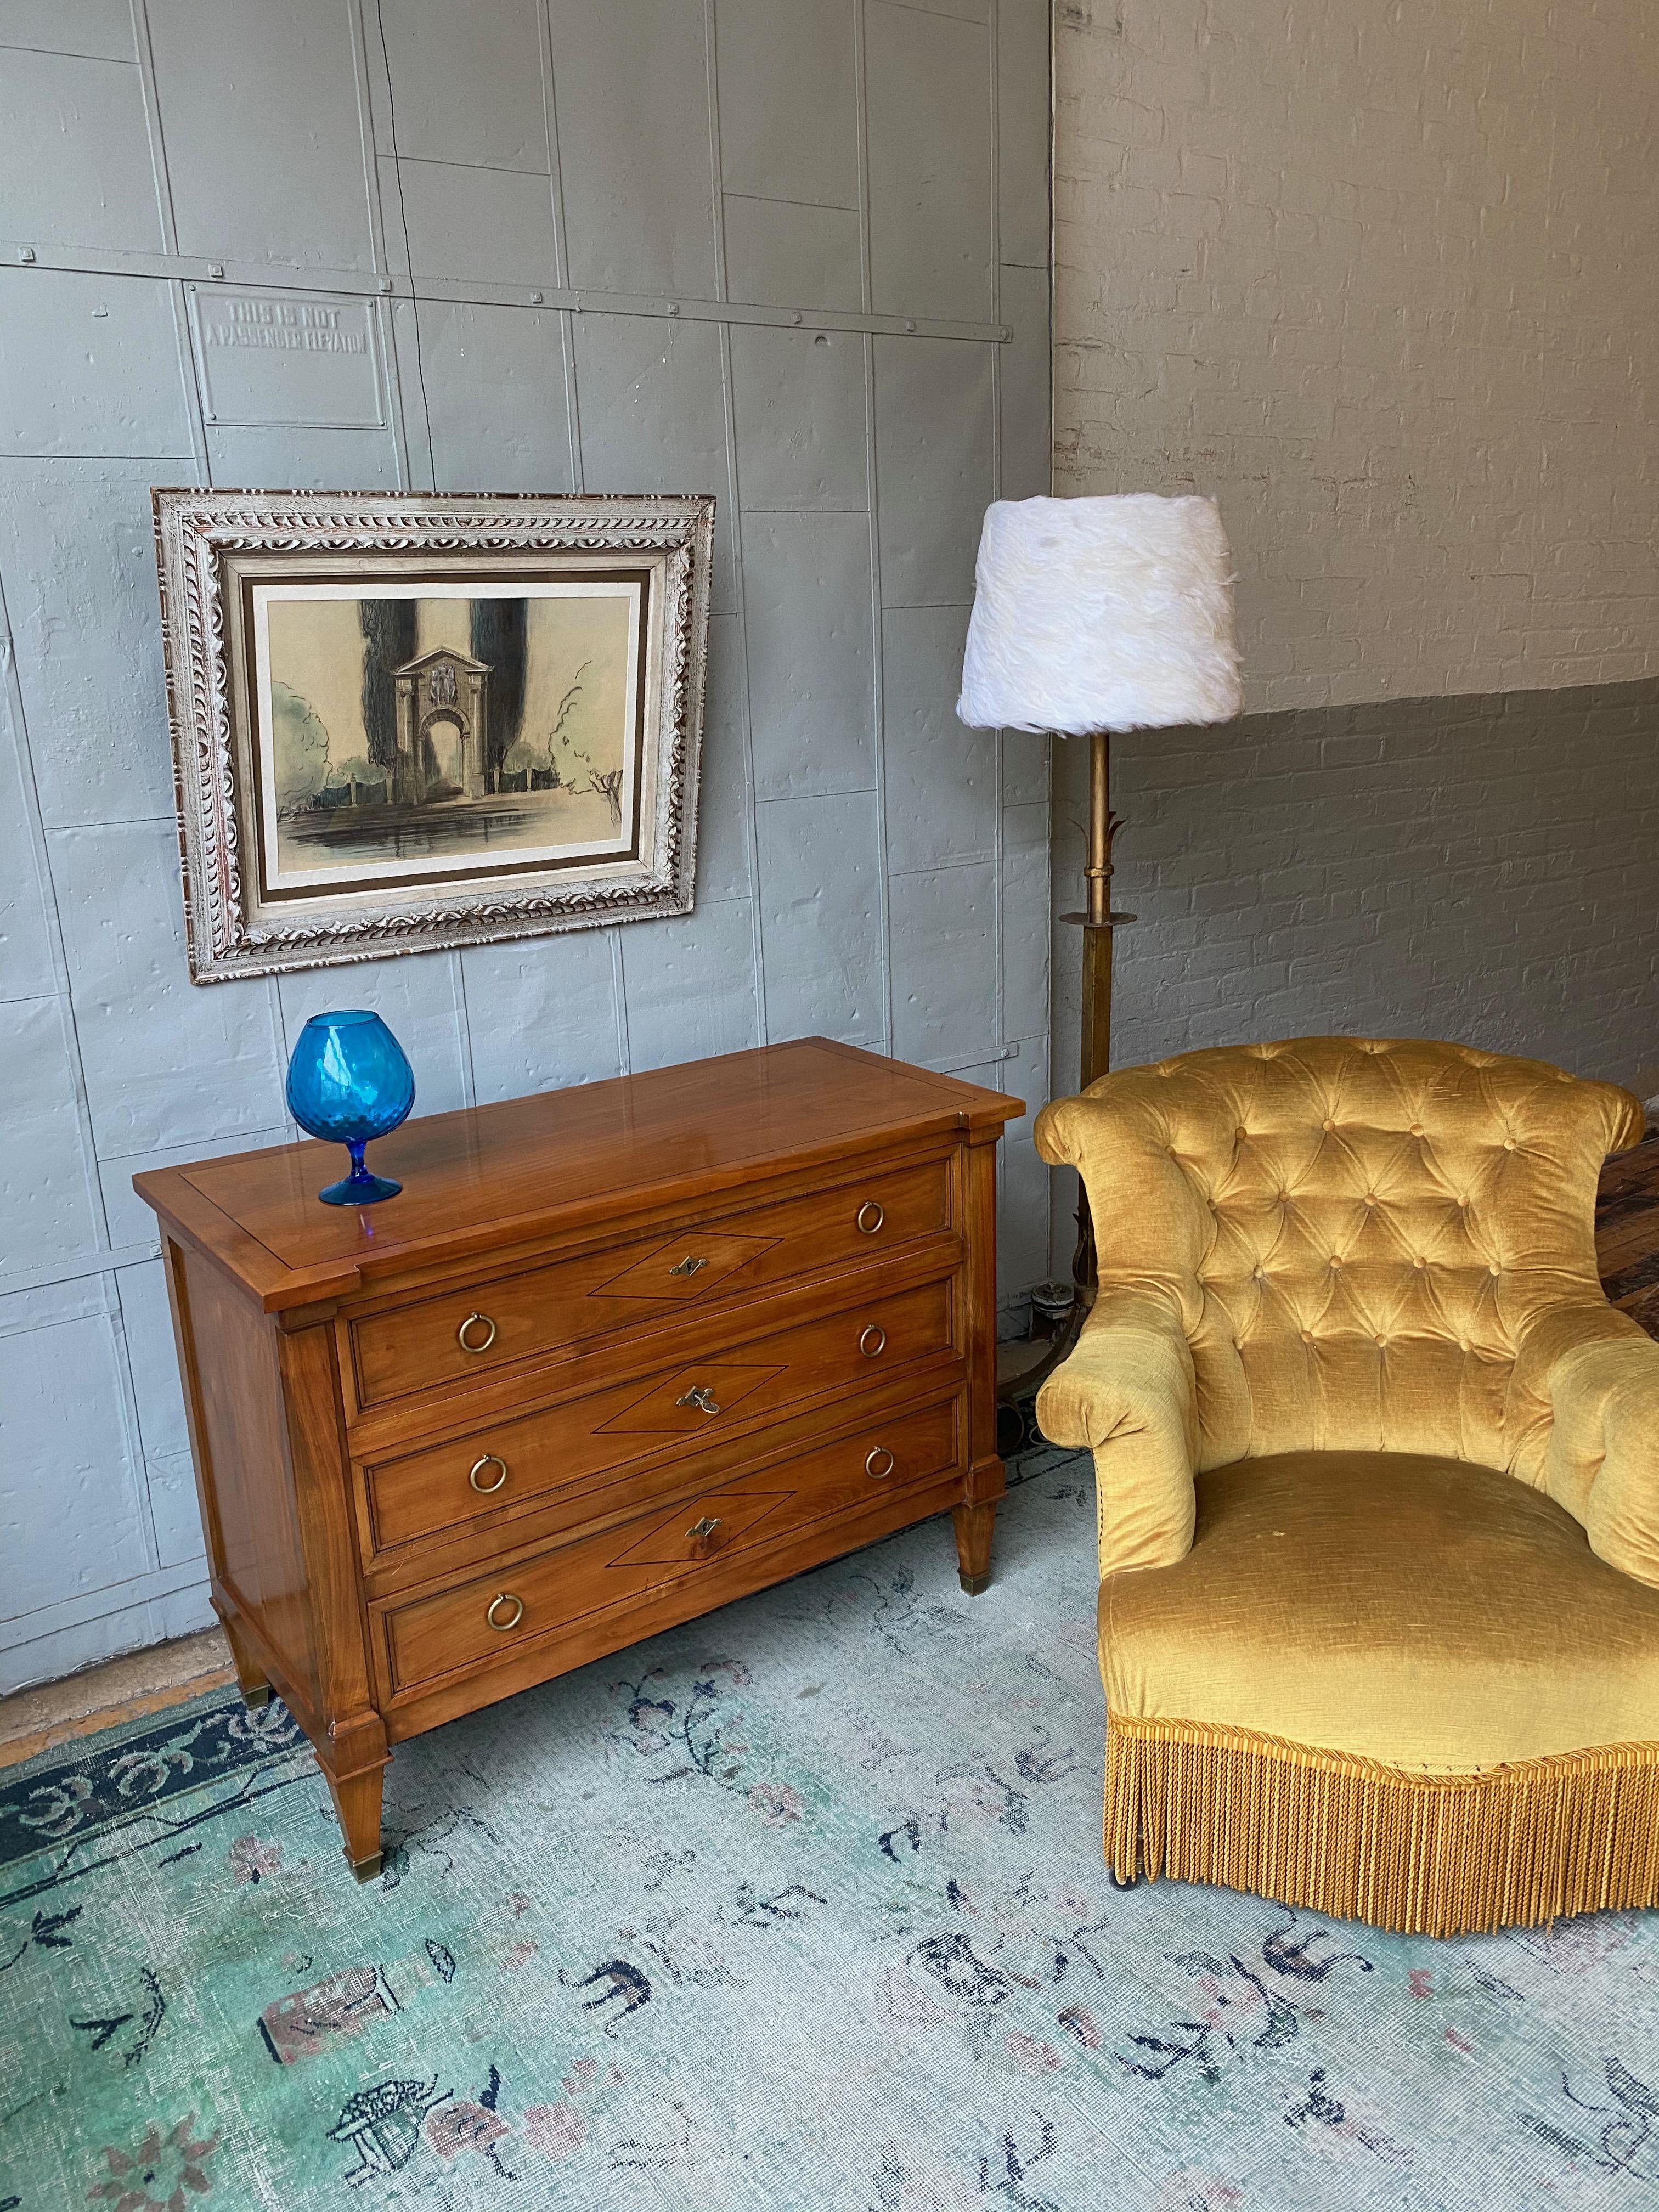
x,y
802,1905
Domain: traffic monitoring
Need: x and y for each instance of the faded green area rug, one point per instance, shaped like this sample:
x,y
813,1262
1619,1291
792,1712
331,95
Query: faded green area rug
x,y
799,1907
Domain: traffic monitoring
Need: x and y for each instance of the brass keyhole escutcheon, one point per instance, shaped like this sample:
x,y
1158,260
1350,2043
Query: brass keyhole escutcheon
x,y
701,1531
689,1266
473,1473
501,1598
870,1216
880,1463
702,1398
476,1321
873,1341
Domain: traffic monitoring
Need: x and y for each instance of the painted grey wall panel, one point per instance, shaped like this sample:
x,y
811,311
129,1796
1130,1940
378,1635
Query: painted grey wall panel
x,y
496,397
466,81
807,595
90,365
258,107
1025,766
799,406
295,459
147,1324
48,1209
541,1014
933,466
928,86
651,402
945,951
1022,1218
77,548
943,803
1025,924
1027,443
28,969
1022,132
852,873
494,226
70,27
71,1515
173,1510
788,96
630,87
779,253
691,985
75,163
821,939
725,808
166,1062
418,998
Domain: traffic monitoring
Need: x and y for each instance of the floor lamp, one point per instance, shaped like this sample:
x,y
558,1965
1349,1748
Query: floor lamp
x,y
1091,617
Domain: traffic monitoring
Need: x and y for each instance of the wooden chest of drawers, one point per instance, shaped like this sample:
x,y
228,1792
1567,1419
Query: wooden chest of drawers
x,y
614,1356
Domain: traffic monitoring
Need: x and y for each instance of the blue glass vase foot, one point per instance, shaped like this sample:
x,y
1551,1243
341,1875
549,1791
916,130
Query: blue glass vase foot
x,y
360,1187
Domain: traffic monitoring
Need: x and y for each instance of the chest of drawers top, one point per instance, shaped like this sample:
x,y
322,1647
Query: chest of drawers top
x,y
560,1169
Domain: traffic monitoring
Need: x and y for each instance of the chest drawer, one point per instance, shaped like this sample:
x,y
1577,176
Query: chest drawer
x,y
561,1588
594,1439
645,1283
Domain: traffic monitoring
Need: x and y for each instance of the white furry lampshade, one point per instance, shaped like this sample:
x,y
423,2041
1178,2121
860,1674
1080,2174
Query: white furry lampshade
x,y
1100,614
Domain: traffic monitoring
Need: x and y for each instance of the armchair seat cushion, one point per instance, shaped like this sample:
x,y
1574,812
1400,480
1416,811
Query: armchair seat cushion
x,y
1427,1613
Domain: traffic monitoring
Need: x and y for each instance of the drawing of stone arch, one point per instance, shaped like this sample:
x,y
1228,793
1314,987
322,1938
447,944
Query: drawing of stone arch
x,y
441,686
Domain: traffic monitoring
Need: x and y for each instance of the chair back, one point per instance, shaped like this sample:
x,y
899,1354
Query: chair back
x,y
1356,1233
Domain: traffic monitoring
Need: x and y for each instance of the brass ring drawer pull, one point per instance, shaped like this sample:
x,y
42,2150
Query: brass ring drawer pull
x,y
490,1459
870,1216
482,1321
702,1531
505,1597
882,1453
873,1341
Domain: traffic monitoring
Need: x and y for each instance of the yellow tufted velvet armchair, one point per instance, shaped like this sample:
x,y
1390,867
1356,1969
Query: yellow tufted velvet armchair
x,y
1378,1482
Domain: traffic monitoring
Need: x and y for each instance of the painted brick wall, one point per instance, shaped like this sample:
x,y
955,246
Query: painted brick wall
x,y
1377,279
847,202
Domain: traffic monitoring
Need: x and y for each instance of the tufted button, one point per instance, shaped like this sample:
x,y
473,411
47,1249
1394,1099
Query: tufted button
x,y
1463,1344
1416,1128
1463,1205
1307,1336
1284,1197
1382,1340
1241,1131
1494,1269
1330,1125
1371,1198
1420,1261
1509,1144
1238,1344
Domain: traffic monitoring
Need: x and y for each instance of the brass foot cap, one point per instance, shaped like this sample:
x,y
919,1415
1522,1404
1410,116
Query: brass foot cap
x,y
973,1583
366,1870
257,1700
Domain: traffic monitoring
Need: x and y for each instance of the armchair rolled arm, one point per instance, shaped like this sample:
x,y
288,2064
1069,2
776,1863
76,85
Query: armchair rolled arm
x,y
1601,1460
1128,1393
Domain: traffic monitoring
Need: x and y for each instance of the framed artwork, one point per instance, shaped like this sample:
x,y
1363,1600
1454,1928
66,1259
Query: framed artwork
x,y
401,721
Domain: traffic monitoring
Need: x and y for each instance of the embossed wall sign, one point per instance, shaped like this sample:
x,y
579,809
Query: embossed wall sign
x,y
403,720
307,359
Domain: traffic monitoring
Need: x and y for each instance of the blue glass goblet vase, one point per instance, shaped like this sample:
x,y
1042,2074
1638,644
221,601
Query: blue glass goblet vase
x,y
348,1081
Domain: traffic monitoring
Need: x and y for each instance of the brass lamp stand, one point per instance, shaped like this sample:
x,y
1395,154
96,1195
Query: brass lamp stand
x,y
1098,922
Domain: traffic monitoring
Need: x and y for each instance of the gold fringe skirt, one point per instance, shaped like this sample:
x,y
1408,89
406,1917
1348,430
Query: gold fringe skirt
x,y
1421,1854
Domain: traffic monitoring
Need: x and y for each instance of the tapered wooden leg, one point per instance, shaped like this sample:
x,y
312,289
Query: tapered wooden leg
x,y
973,1524
357,1808
249,1676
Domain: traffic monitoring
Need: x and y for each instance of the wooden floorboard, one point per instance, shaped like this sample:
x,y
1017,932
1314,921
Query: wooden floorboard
x,y
1628,1231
